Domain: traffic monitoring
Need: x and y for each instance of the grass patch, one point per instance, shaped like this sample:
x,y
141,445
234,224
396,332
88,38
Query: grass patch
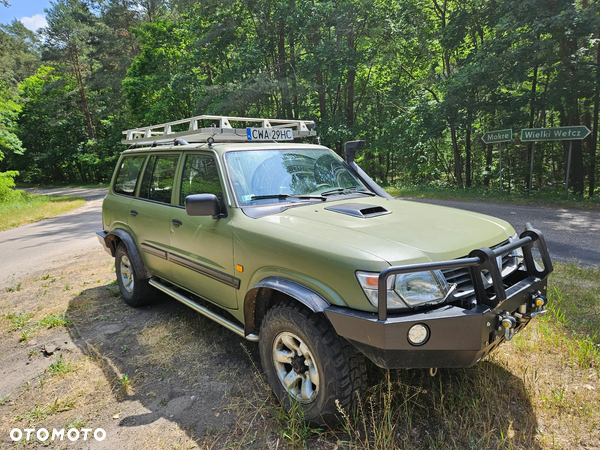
x,y
17,321
60,367
22,321
26,208
550,197
40,412
52,321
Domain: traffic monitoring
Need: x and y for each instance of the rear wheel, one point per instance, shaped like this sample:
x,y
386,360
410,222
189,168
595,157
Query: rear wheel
x,y
307,363
135,292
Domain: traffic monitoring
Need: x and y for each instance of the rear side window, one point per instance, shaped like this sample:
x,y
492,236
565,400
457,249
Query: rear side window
x,y
128,175
200,176
157,183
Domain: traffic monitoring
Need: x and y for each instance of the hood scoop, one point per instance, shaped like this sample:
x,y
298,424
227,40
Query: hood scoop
x,y
359,210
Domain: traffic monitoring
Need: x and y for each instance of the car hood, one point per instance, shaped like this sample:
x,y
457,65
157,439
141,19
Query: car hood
x,y
408,232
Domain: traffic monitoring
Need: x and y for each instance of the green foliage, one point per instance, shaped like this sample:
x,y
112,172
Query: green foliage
x,y
420,81
9,110
7,182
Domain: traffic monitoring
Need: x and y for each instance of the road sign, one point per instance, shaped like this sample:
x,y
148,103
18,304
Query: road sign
x,y
574,133
494,137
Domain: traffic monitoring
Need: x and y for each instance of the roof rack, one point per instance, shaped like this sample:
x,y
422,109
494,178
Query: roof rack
x,y
220,130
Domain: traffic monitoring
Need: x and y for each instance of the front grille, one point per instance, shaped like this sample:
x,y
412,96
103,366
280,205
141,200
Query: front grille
x,y
462,276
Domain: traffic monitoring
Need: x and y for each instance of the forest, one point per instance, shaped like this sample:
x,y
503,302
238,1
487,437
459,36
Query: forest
x,y
419,80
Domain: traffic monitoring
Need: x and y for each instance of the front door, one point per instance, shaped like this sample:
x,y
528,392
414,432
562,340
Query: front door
x,y
202,247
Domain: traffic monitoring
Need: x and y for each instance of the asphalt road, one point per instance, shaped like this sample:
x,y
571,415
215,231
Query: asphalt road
x,y
28,249
571,234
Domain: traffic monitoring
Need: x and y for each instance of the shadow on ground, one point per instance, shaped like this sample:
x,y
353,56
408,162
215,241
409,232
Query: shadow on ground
x,y
178,366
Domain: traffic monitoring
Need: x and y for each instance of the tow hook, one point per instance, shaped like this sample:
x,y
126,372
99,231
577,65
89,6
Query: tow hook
x,y
538,301
509,323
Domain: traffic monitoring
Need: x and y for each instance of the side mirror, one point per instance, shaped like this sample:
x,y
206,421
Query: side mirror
x,y
202,205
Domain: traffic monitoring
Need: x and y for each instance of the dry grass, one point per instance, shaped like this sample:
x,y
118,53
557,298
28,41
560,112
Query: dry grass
x,y
129,368
32,208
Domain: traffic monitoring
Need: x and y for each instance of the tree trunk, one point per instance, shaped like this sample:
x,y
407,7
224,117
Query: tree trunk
x,y
489,152
84,102
282,72
468,154
321,92
594,143
457,159
296,107
532,114
351,80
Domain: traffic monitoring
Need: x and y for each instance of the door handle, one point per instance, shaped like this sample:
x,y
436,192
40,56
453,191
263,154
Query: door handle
x,y
177,222
133,212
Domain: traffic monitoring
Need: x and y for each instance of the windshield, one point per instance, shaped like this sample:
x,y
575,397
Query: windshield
x,y
268,176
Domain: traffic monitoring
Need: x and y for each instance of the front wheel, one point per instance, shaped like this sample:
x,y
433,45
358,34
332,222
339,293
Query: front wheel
x,y
135,292
307,363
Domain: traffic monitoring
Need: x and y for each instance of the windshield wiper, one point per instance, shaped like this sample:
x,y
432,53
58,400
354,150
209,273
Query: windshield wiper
x,y
284,196
347,190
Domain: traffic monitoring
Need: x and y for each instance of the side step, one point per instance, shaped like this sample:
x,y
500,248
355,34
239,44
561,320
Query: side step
x,y
202,310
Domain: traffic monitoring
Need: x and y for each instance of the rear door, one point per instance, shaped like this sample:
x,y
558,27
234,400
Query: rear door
x,y
202,247
150,212
115,208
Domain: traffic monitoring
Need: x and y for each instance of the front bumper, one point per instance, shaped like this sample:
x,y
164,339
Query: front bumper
x,y
458,336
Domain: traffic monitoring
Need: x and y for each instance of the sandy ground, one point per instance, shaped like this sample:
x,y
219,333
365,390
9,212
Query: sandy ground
x,y
188,377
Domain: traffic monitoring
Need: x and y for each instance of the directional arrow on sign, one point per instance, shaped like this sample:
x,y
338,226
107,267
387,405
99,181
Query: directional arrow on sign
x,y
574,133
493,137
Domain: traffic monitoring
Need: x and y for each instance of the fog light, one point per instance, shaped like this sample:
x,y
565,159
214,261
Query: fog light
x,y
418,334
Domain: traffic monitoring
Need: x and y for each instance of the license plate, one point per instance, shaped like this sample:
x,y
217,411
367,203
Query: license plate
x,y
270,134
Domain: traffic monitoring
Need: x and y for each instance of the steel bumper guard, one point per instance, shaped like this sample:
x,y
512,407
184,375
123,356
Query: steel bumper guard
x,y
458,337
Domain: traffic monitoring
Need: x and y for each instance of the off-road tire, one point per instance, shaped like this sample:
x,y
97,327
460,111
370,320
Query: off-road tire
x,y
341,368
137,292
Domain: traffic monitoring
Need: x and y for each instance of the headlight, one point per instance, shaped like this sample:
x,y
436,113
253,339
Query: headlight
x,y
421,287
406,290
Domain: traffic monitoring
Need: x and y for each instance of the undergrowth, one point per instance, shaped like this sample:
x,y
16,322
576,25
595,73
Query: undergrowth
x,y
547,196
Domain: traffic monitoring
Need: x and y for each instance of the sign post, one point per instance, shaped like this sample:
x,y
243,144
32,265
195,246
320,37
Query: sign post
x,y
568,170
496,137
573,133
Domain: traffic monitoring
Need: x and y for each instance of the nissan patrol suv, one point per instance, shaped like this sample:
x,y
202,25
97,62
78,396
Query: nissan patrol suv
x,y
293,247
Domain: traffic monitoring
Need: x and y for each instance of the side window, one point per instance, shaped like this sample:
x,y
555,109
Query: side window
x,y
128,174
200,176
157,183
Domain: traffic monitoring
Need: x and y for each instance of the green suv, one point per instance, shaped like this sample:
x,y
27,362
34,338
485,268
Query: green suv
x,y
290,246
